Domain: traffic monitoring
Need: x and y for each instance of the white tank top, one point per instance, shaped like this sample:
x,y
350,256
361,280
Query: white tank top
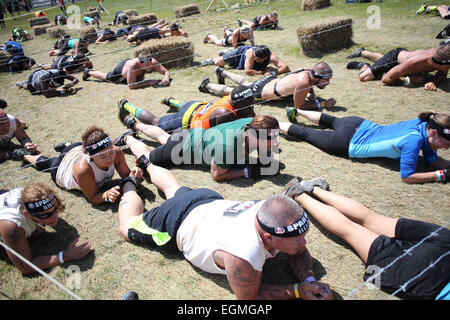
x,y
222,225
6,138
9,210
64,176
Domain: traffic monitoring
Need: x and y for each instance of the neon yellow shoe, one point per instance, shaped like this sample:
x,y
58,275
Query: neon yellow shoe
x,y
291,114
422,8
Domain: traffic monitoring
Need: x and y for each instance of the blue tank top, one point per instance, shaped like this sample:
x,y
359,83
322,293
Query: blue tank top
x,y
239,62
402,140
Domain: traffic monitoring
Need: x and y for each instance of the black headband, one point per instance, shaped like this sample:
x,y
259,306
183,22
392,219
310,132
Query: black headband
x,y
99,146
322,75
443,132
292,230
446,62
147,59
41,205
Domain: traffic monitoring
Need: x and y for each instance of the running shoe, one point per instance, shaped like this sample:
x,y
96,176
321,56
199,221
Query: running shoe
x,y
422,8
202,87
291,113
357,53
220,76
122,112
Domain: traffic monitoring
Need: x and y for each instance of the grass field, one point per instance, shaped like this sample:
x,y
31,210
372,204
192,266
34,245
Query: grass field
x,y
116,266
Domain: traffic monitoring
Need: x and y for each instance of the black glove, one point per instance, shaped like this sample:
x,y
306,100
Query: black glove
x,y
254,171
446,175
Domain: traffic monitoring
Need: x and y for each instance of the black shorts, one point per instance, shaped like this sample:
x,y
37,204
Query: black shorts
x,y
163,222
386,63
30,81
44,163
116,75
336,141
163,155
258,86
408,233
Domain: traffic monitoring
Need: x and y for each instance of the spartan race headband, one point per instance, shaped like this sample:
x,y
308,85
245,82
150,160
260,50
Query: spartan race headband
x,y
99,146
292,230
40,206
445,62
321,75
146,59
443,132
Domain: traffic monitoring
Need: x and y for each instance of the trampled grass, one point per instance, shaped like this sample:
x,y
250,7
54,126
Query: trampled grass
x,y
117,266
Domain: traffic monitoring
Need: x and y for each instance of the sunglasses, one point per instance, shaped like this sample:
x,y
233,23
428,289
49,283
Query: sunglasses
x,y
45,215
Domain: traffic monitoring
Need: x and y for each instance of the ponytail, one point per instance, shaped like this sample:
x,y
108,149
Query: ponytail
x,y
426,115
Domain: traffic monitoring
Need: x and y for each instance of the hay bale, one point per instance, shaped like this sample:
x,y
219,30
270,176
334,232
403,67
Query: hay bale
x,y
56,31
38,21
4,58
171,52
308,5
88,33
131,13
91,12
41,29
325,35
187,10
145,19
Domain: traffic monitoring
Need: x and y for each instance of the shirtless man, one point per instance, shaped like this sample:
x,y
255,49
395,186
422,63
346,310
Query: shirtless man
x,y
130,70
232,38
400,66
253,60
299,84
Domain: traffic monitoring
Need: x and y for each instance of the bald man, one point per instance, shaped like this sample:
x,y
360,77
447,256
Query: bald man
x,y
299,84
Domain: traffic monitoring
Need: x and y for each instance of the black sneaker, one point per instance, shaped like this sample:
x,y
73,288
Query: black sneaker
x,y
130,121
357,53
130,295
59,147
143,162
220,76
86,74
120,140
356,65
202,87
239,22
19,154
122,112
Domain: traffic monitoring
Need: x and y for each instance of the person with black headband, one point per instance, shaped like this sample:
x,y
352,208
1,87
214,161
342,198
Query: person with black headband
x,y
191,114
253,60
232,38
47,82
355,137
24,213
298,84
227,237
403,67
242,148
88,166
132,71
380,241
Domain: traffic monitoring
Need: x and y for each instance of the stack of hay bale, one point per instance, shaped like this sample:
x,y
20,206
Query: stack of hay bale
x,y
39,25
173,52
145,19
56,31
88,33
91,12
187,10
325,35
308,5
131,13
